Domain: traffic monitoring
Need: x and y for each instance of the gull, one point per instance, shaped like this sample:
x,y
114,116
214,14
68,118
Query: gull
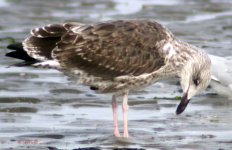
x,y
117,56
222,75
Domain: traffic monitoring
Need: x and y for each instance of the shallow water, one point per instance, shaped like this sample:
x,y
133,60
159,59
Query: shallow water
x,y
40,108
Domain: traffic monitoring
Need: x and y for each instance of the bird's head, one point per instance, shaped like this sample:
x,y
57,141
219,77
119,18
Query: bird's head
x,y
195,77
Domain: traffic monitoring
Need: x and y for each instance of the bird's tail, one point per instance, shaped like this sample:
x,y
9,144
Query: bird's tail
x,y
19,53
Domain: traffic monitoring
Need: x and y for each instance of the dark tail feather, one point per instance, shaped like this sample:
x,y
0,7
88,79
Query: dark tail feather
x,y
19,53
16,46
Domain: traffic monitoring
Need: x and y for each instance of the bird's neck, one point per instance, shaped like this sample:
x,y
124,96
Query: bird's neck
x,y
186,56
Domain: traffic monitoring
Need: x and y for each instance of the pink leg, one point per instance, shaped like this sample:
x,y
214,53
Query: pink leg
x,y
125,115
115,116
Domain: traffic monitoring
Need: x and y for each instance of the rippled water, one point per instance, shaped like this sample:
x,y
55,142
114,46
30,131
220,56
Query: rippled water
x,y
40,108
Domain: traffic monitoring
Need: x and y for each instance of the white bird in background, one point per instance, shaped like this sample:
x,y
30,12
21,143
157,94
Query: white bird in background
x,y
222,75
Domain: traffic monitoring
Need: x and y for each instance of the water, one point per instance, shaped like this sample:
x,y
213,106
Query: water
x,y
40,108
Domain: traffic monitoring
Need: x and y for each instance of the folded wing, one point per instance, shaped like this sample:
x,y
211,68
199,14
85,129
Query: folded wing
x,y
112,49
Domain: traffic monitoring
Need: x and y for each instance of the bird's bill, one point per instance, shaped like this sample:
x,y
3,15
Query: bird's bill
x,y
183,104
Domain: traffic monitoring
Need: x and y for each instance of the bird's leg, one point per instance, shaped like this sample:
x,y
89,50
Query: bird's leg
x,y
115,116
125,114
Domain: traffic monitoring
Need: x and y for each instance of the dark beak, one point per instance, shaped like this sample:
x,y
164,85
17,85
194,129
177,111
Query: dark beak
x,y
183,104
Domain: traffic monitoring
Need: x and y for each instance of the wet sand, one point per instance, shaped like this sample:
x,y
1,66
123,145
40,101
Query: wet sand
x,y
41,108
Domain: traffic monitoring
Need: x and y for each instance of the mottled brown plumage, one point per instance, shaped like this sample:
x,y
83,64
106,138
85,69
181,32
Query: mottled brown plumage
x,y
102,50
111,56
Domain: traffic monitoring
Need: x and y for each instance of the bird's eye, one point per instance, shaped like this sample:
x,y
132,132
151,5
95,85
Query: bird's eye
x,y
196,82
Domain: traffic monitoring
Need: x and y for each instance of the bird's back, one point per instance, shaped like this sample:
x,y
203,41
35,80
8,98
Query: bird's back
x,y
103,50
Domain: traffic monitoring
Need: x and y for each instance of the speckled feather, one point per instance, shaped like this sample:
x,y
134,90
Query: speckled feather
x,y
112,56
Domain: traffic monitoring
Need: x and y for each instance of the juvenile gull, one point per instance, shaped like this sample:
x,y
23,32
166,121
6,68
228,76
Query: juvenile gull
x,y
116,57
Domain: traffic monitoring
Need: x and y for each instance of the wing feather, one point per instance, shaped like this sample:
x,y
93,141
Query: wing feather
x,y
44,39
112,49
